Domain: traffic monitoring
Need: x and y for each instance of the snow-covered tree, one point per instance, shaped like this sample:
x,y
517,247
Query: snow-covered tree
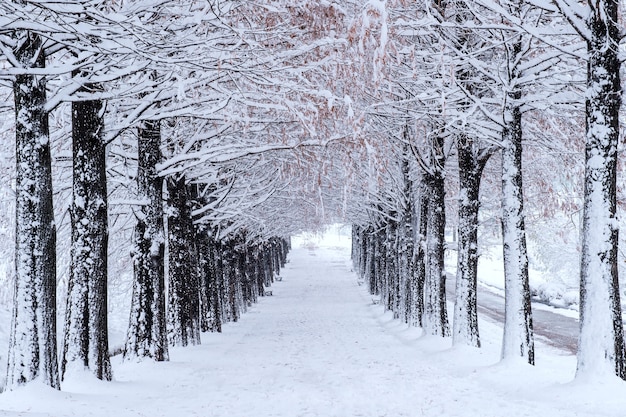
x,y
601,340
86,331
33,345
183,309
146,336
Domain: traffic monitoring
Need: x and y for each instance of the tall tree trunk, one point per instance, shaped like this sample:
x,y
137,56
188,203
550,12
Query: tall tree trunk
x,y
203,244
405,236
231,277
392,271
465,322
518,337
86,331
370,261
147,334
380,261
32,344
601,341
183,295
215,290
435,318
418,277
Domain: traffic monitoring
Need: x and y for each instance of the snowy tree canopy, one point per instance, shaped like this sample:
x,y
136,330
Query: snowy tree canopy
x,y
159,154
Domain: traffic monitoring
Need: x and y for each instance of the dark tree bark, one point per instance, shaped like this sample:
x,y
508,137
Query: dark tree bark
x,y
231,284
222,279
147,334
471,164
472,155
267,263
216,289
361,246
518,339
32,344
184,293
381,261
418,277
251,265
277,257
435,318
406,242
392,279
86,331
601,340
203,243
243,279
259,269
370,261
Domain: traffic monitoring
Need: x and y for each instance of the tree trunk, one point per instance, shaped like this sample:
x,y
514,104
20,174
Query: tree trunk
x,y
392,276
32,344
370,261
147,334
405,240
601,342
204,264
183,295
86,332
465,322
215,291
518,337
418,277
435,319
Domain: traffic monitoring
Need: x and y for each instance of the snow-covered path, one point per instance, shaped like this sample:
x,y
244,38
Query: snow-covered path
x,y
319,347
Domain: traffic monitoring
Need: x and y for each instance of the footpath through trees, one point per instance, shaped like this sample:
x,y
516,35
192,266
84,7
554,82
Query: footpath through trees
x,y
319,346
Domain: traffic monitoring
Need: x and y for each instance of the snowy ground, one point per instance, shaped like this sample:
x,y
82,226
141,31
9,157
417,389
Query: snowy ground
x,y
319,347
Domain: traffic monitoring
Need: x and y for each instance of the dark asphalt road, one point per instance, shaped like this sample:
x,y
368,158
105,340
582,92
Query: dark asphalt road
x,y
552,328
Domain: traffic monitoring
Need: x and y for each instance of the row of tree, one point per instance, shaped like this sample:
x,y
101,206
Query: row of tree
x,y
195,84
261,118
460,81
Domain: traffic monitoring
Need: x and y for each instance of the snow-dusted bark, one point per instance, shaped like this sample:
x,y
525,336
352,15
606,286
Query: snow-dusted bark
x,y
601,342
355,243
268,275
183,306
392,278
86,332
147,335
243,276
380,261
435,317
370,261
279,257
232,284
405,243
405,258
471,158
418,277
518,337
210,318
465,321
32,345
252,283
